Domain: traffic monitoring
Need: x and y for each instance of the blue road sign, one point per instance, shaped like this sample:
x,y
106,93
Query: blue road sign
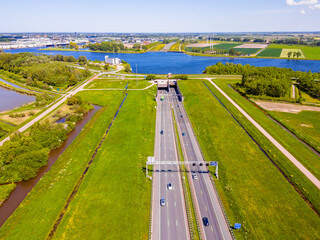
x,y
213,164
237,225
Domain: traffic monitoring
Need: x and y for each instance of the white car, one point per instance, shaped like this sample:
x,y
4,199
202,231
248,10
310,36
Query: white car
x,y
170,186
195,177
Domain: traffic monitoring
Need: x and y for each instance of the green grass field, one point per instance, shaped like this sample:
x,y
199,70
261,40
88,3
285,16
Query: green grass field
x,y
305,124
295,147
270,52
284,53
158,47
175,47
253,191
247,50
226,46
36,215
309,52
118,84
114,200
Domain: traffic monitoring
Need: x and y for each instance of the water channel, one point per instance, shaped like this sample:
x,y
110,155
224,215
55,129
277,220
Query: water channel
x,y
24,187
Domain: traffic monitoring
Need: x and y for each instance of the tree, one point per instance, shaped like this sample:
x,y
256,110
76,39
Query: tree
x,y
74,100
127,68
72,80
298,54
232,52
106,67
74,45
82,59
289,54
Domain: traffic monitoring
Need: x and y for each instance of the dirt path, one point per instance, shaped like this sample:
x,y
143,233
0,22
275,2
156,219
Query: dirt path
x,y
285,107
293,94
304,170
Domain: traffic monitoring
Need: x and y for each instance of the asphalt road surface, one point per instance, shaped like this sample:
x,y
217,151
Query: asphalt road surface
x,y
206,200
169,221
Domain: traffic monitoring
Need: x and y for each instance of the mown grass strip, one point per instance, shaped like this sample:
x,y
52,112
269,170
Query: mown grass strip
x,y
252,190
113,199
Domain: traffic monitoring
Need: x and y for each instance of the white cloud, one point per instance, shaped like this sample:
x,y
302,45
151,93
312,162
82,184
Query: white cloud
x,y
301,2
302,11
317,6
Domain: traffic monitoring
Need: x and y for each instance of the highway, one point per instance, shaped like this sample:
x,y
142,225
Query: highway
x,y
206,199
170,221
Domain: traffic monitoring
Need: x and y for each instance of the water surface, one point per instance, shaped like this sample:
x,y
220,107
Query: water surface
x,y
10,99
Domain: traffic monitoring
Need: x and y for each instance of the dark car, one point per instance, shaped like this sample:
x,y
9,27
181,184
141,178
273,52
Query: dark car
x,y
161,132
205,221
183,134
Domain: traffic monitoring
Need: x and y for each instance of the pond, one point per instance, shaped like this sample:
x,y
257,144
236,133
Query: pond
x,y
10,99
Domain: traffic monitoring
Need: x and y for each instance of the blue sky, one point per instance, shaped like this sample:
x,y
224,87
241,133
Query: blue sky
x,y
159,16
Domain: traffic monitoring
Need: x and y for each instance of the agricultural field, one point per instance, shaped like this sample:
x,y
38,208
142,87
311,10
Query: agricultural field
x,y
304,124
247,50
269,201
116,191
284,53
226,46
270,52
308,51
306,157
50,194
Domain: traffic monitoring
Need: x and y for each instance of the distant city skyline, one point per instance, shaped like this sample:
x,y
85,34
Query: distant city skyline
x,y
164,16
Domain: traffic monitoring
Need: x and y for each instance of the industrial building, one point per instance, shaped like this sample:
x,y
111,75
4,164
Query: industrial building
x,y
114,61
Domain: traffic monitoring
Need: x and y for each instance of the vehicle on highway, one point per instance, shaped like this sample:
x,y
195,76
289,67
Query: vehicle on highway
x,y
162,98
161,132
181,116
162,202
183,134
205,221
170,186
194,176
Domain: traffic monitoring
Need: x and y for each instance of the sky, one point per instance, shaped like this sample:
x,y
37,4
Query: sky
x,y
159,16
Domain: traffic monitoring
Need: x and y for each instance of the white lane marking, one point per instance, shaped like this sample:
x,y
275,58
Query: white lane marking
x,y
175,204
206,208
176,222
168,223
211,228
201,192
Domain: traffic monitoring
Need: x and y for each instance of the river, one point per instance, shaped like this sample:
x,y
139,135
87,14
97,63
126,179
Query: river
x,y
180,63
24,187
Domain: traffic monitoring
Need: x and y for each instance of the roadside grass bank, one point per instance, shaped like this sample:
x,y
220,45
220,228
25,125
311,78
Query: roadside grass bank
x,y
309,159
5,191
50,194
117,83
252,190
305,125
113,199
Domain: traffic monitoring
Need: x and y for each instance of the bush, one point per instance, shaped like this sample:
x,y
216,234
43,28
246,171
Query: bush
x,y
151,77
73,100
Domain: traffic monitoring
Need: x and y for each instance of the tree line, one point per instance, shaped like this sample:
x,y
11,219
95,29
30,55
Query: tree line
x,y
24,154
269,81
106,47
43,71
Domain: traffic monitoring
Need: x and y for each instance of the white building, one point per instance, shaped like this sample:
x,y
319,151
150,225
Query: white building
x,y
114,61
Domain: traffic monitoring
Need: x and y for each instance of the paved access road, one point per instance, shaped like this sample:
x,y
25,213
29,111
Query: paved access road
x,y
206,199
51,108
167,47
169,221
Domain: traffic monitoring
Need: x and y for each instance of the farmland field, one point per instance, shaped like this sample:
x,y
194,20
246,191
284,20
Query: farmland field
x,y
247,50
284,53
270,52
226,46
309,52
113,201
250,196
305,124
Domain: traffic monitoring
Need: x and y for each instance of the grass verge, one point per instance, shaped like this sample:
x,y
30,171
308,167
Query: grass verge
x,y
114,198
252,190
